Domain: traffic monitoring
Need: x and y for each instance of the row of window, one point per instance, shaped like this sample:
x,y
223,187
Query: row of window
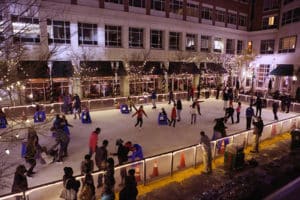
x,y
290,16
192,9
59,33
286,45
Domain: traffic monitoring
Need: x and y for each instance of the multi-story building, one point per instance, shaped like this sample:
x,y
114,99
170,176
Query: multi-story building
x,y
130,46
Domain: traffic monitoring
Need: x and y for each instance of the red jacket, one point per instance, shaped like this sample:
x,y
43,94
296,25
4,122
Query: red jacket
x,y
139,113
173,113
93,141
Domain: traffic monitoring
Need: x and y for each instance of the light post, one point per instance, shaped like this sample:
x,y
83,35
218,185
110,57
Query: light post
x,y
50,65
115,68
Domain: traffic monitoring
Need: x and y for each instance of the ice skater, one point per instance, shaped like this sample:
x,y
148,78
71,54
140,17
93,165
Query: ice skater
x,y
193,113
179,109
173,116
139,113
238,112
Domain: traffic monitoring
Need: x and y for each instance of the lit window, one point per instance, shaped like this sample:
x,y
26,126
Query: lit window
x,y
191,42
271,21
287,44
25,29
249,47
87,33
192,10
218,45
59,32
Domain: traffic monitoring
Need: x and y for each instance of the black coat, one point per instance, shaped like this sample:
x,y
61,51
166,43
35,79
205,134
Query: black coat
x,y
179,105
129,192
20,183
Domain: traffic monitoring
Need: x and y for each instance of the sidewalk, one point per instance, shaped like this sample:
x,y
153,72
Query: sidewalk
x,y
274,163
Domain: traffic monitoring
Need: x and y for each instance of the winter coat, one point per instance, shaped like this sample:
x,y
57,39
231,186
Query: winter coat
x,y
71,183
275,106
101,156
61,137
93,141
258,127
30,151
139,113
87,167
249,112
122,154
20,183
153,95
129,192
258,103
87,192
173,113
179,105
109,179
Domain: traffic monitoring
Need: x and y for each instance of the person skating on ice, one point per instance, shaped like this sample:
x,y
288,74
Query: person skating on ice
x,y
139,119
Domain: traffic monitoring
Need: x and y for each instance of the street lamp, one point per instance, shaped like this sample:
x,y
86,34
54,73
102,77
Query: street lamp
x,y
50,65
115,68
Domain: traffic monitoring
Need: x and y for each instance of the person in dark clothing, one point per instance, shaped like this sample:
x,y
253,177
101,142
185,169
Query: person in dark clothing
x,y
30,155
62,139
219,129
3,116
179,109
122,154
218,92
171,97
229,114
288,102
100,160
108,194
65,124
58,122
275,107
249,115
88,188
87,166
129,192
76,106
20,183
238,112
109,177
258,105
258,129
297,97
69,181
153,98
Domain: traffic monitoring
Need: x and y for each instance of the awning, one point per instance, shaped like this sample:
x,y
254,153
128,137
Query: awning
x,y
283,70
62,69
101,68
215,68
33,69
146,68
182,68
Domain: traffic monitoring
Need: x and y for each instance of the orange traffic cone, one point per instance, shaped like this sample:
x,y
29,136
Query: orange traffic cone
x,y
155,170
222,148
182,161
274,130
137,174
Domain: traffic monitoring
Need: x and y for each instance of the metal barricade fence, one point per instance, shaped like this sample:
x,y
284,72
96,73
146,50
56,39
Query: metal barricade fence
x,y
166,164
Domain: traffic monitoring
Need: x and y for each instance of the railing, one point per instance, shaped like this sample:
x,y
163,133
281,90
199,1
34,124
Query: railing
x,y
96,104
92,104
167,163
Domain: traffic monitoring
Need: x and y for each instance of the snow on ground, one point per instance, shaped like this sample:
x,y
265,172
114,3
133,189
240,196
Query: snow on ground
x,y
153,138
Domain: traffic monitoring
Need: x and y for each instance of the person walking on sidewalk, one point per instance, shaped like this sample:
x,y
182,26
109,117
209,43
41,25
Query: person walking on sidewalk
x,y
173,116
249,115
258,129
153,98
238,112
207,155
100,160
139,113
193,113
179,109
94,141
275,107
